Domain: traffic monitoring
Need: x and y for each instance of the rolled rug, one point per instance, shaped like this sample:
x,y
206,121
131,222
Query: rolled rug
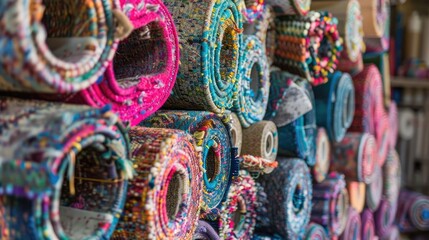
x,y
393,124
355,156
316,232
210,56
382,133
213,143
252,99
356,192
323,156
261,140
374,190
335,116
238,215
353,226
368,228
391,234
412,214
140,78
289,192
331,204
236,132
308,46
51,161
290,7
57,47
163,200
376,24
384,217
205,231
392,178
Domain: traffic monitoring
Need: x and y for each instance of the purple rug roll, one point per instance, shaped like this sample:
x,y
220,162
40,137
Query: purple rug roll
x,y
367,228
384,217
392,178
353,226
392,234
205,231
413,211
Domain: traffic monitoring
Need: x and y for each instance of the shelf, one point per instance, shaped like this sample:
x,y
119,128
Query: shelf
x,y
409,82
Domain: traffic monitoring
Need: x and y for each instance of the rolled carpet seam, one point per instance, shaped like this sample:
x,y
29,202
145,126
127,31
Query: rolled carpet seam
x,y
315,231
356,192
374,190
413,211
392,178
210,39
353,226
205,231
57,47
384,217
323,156
261,140
50,162
290,7
368,228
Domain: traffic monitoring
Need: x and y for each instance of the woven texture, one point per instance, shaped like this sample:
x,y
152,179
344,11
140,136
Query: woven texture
x,y
374,190
290,7
392,178
368,228
257,165
323,156
353,226
49,194
205,231
315,232
412,212
384,217
391,234
261,140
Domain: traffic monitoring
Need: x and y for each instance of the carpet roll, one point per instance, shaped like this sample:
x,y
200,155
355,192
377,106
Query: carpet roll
x,y
290,7
356,192
210,56
140,78
289,192
238,215
382,133
376,24
355,156
252,99
163,199
353,226
205,231
374,190
323,156
308,46
236,132
368,228
261,140
413,209
391,234
330,204
384,217
50,162
392,178
393,124
315,232
213,143
335,116
57,47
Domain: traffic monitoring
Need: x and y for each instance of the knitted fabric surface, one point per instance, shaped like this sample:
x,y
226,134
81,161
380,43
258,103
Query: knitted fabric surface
x,y
355,156
353,226
210,37
261,140
205,231
290,7
335,104
393,124
289,191
368,228
163,200
144,70
214,146
238,215
252,98
392,178
374,190
330,204
356,192
412,212
323,156
57,46
50,163
315,232
376,22
308,46
384,217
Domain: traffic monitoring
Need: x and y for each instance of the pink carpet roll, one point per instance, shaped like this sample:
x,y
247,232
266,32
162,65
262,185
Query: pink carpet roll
x,y
367,228
384,217
353,226
382,133
393,124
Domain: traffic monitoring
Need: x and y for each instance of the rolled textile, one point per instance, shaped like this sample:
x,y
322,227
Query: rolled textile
x,y
323,156
257,165
330,204
376,20
290,7
236,132
163,200
57,47
356,192
368,228
391,234
355,156
412,214
205,231
335,116
374,190
315,232
384,217
393,124
261,140
140,78
289,192
213,142
51,161
382,133
238,215
210,56
353,226
392,178
252,99
308,46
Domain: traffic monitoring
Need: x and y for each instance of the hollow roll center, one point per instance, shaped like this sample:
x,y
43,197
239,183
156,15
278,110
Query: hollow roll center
x,y
298,199
212,165
269,144
174,196
255,83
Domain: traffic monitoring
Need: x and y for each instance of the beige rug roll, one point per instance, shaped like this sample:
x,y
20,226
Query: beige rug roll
x,y
260,140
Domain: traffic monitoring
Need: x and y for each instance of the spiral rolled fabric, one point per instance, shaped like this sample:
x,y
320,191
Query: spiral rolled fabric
x,y
315,232
393,124
210,54
374,190
261,140
252,99
323,156
57,47
330,204
289,191
308,46
384,217
51,161
368,228
353,226
382,133
335,116
140,78
213,142
392,178
412,214
355,156
205,231
356,192
290,7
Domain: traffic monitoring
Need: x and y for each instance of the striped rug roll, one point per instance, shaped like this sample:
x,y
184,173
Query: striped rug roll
x,y
413,212
374,190
261,140
289,192
384,217
52,157
331,204
353,226
335,116
368,228
163,199
355,156
290,7
323,156
357,198
315,232
393,124
392,178
205,231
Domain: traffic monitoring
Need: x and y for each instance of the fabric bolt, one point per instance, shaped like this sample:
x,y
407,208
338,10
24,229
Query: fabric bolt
x,y
308,46
163,200
315,232
140,78
384,217
368,228
382,133
257,165
356,192
290,7
252,99
355,156
323,156
335,104
376,20
205,231
261,140
393,124
213,142
374,190
289,191
210,36
52,158
391,234
413,212
57,47
238,215
392,178
236,132
353,226
330,204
